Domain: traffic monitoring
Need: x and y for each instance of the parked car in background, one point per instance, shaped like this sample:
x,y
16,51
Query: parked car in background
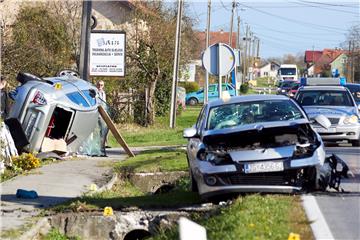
x,y
285,86
57,108
193,98
254,143
338,105
355,91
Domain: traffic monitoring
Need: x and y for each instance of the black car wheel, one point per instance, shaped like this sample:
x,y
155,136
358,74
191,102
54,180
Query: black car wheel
x,y
193,101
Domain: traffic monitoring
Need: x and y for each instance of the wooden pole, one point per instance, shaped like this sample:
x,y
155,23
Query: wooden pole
x,y
114,131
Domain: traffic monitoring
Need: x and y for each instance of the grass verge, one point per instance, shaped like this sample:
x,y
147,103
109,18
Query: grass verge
x,y
160,134
155,161
125,194
253,217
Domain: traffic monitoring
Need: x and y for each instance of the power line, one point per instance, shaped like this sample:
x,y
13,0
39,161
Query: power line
x,y
338,30
350,5
224,6
304,3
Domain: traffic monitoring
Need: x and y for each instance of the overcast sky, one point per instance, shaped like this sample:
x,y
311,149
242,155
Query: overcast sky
x,y
283,26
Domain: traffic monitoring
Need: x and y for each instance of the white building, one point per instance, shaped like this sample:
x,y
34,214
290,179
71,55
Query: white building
x,y
270,69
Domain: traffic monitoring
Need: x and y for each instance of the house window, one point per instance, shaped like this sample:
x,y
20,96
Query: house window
x,y
343,60
266,74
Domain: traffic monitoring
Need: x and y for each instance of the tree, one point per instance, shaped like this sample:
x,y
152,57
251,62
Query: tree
x,y
150,55
352,44
39,43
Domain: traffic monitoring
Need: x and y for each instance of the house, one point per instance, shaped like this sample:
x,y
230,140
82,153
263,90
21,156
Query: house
x,y
270,69
340,63
215,37
320,61
311,57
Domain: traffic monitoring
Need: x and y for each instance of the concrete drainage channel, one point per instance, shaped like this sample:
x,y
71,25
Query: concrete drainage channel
x,y
129,224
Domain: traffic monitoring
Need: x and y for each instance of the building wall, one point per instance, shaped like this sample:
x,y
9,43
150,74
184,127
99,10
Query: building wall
x,y
266,71
340,64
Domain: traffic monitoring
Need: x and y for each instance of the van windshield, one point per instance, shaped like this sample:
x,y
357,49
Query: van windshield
x,y
287,71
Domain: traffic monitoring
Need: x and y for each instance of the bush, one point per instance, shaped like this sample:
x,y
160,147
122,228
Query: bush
x,y
26,161
244,88
189,86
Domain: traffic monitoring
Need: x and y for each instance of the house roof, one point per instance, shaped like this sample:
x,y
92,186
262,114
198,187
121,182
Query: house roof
x,y
312,56
215,37
267,63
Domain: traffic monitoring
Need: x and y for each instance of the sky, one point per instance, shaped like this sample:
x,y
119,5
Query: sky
x,y
283,26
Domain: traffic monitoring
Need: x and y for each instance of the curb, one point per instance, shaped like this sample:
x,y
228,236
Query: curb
x,y
43,226
109,184
318,224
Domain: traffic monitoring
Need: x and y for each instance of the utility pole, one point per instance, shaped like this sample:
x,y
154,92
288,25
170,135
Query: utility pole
x,y
232,23
249,54
85,40
352,62
245,53
238,39
238,47
206,87
176,65
258,48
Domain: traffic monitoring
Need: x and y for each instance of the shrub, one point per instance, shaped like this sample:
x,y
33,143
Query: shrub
x,y
189,86
244,88
26,161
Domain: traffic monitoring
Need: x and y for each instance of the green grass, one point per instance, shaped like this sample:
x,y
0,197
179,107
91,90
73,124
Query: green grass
x,y
125,194
160,134
158,160
54,234
264,82
253,217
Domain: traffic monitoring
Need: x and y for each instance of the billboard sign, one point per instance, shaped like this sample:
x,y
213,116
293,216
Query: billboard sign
x,y
107,53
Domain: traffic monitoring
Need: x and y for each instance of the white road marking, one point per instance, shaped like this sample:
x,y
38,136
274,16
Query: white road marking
x,y
318,224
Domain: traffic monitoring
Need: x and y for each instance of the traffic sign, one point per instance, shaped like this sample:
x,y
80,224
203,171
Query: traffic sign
x,y
219,59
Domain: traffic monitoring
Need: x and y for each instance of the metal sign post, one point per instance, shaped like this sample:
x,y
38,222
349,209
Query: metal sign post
x,y
219,60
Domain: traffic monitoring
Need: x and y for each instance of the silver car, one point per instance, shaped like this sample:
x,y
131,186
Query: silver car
x,y
254,143
57,108
338,105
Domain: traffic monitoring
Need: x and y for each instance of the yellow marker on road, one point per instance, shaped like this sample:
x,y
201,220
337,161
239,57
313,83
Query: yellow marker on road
x,y
108,211
58,86
294,236
93,187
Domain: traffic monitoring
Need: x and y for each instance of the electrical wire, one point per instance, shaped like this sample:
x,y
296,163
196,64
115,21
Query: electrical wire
x,y
304,3
321,27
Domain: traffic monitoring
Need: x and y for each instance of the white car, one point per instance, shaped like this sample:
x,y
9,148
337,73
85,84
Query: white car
x,y
338,105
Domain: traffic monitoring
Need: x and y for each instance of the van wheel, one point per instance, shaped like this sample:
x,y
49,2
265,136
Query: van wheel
x,y
355,143
193,101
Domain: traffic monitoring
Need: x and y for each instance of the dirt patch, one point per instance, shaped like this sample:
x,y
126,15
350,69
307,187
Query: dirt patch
x,y
152,182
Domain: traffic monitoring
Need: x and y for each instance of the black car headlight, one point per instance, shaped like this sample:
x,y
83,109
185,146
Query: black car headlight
x,y
215,157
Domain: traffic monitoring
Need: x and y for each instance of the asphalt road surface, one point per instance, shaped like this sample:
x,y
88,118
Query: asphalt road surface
x,y
342,210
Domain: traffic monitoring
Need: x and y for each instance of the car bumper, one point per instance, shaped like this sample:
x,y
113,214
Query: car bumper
x,y
340,133
229,179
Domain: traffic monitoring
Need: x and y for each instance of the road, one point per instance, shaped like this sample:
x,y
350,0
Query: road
x,y
342,210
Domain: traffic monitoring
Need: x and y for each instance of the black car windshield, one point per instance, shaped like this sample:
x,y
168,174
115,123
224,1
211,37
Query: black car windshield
x,y
324,98
287,71
237,114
